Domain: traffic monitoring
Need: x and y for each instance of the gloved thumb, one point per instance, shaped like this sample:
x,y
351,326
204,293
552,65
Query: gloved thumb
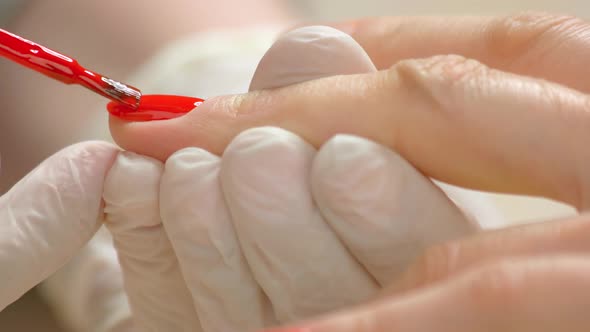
x,y
49,215
310,53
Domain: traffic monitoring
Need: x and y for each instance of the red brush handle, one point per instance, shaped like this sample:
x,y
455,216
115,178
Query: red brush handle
x,y
38,58
64,69
128,103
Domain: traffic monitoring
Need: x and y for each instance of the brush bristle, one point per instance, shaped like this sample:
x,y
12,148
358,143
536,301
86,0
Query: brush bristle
x,y
123,93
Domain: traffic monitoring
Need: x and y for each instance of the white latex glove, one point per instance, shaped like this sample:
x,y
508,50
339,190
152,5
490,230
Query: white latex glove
x,y
273,231
47,217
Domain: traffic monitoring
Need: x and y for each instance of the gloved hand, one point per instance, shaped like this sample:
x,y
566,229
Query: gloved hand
x,y
87,294
272,231
49,216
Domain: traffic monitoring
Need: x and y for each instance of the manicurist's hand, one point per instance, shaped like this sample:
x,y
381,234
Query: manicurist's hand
x,y
48,216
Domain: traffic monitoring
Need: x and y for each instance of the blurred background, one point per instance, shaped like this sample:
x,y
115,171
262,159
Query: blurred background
x,y
54,19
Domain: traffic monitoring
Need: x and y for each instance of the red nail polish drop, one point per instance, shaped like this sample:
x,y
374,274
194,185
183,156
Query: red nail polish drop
x,y
155,107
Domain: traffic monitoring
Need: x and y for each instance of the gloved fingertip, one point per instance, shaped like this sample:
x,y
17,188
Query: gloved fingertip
x,y
130,171
310,53
186,158
131,192
261,138
336,164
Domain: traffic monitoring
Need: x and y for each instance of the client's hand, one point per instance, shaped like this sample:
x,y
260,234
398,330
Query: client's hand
x,y
453,118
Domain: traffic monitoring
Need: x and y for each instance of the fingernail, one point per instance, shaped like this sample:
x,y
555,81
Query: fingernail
x,y
155,107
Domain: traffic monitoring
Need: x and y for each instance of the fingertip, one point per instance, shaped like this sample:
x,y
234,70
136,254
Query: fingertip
x,y
187,158
262,138
242,158
309,53
208,126
129,172
335,168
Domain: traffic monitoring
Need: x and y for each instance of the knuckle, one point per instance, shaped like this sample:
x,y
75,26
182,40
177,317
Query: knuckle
x,y
440,80
443,67
526,34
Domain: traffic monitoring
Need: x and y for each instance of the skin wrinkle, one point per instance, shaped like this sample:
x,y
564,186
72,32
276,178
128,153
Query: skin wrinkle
x,y
514,37
493,41
444,84
525,40
414,79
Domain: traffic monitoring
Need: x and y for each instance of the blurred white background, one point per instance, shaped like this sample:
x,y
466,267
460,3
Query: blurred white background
x,y
337,9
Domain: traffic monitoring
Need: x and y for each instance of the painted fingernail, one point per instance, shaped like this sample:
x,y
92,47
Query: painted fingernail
x,y
155,107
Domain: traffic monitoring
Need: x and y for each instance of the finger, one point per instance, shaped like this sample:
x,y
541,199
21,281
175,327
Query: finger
x,y
546,294
294,255
49,215
531,44
443,261
384,210
502,132
198,223
310,53
157,292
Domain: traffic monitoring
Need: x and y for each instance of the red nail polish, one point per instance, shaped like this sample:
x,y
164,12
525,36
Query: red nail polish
x,y
155,107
